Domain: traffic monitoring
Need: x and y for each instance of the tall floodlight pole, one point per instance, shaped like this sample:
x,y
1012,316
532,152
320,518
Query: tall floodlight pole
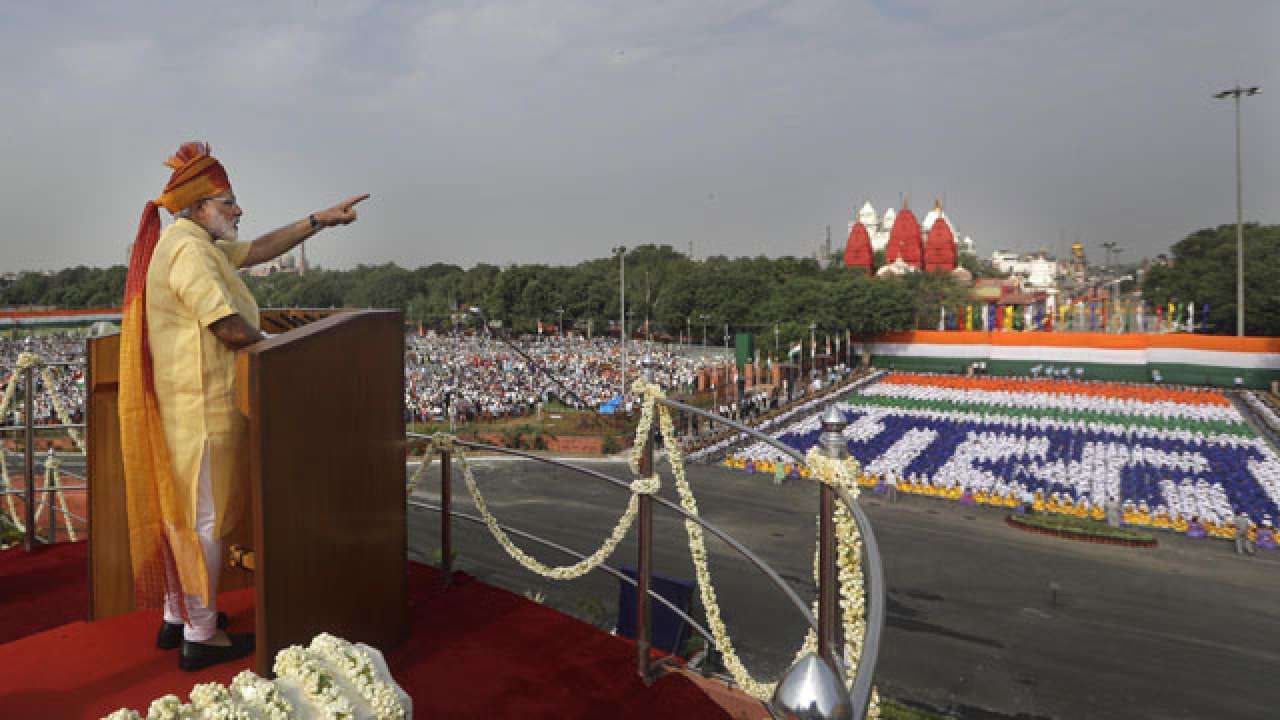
x,y
1235,93
1109,247
622,308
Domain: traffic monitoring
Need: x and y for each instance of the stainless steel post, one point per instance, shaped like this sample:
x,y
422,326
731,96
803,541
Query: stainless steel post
x,y
29,456
644,564
834,445
446,522
50,500
826,572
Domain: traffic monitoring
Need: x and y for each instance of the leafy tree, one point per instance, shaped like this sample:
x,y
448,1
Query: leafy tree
x,y
1203,270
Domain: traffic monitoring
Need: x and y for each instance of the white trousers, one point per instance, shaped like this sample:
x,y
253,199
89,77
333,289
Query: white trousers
x,y
202,621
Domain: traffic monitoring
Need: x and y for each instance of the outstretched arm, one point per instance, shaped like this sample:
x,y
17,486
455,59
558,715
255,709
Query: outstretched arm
x,y
282,240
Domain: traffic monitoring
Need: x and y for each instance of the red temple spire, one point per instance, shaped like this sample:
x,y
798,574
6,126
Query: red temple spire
x,y
940,247
905,239
857,251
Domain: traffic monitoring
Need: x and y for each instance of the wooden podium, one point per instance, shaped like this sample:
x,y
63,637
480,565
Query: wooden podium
x,y
326,466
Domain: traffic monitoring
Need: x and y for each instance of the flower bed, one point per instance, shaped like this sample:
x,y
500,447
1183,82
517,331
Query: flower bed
x,y
1067,455
1081,529
1107,390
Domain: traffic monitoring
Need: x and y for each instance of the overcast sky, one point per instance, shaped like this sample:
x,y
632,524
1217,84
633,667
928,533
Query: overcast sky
x,y
552,130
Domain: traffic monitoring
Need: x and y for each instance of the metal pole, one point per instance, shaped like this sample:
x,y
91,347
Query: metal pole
x,y
645,560
446,524
622,302
50,499
29,456
826,572
1239,228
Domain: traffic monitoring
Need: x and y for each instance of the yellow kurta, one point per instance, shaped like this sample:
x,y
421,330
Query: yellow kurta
x,y
191,283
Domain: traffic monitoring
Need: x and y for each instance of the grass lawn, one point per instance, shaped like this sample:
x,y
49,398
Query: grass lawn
x,y
893,710
1081,526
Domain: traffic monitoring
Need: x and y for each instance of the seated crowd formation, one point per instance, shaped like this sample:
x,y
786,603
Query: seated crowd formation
x,y
68,382
1171,458
480,378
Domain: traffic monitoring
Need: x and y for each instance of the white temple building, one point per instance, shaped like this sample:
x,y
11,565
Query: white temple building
x,y
1037,270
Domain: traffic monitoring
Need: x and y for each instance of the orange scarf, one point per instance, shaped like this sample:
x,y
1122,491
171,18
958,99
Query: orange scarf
x,y
160,534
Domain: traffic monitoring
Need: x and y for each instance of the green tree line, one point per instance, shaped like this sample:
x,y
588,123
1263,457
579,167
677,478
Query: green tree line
x,y
673,293
1203,271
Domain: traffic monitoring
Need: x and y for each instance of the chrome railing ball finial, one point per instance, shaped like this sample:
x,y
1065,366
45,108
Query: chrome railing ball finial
x,y
811,690
832,441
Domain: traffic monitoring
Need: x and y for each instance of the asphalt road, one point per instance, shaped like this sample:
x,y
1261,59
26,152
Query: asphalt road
x,y
1185,630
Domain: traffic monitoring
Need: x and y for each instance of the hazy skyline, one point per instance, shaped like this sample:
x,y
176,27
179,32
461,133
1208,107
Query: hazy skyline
x,y
551,131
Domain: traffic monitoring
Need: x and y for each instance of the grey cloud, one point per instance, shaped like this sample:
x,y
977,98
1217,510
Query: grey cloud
x,y
551,131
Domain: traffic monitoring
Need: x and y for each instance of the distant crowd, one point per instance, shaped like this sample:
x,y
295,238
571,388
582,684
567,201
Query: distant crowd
x,y
470,378
55,347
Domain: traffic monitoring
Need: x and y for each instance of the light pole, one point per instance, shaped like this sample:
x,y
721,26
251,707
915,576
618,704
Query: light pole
x,y
622,308
1109,247
688,329
561,311
704,319
1235,93
776,349
813,343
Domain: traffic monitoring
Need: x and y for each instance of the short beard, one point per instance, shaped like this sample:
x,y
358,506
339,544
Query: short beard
x,y
224,229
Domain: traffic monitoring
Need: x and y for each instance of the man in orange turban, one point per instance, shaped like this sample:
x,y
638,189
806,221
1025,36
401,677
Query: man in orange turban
x,y
186,312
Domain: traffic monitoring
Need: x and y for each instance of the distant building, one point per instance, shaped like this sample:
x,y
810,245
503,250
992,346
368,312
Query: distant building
x,y
1038,271
295,262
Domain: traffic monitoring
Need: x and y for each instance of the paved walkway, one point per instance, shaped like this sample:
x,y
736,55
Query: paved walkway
x,y
1184,630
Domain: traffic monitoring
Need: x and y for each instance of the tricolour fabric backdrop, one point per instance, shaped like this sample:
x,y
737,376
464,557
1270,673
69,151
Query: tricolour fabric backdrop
x,y
1179,358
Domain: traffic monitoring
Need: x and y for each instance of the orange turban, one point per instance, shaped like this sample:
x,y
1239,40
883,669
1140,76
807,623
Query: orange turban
x,y
196,175
148,475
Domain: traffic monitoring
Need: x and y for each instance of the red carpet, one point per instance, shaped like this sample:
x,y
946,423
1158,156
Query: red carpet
x,y
474,651
42,589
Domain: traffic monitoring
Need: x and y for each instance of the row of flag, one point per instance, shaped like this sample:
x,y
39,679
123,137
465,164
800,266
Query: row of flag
x,y
1092,316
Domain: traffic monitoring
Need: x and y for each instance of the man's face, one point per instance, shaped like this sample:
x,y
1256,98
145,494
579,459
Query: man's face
x,y
219,215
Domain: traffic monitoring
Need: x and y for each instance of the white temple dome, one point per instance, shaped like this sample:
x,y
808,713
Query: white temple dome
x,y
867,215
889,216
933,216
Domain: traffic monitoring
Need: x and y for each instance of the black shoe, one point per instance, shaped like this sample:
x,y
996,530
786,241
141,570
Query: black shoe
x,y
198,656
170,635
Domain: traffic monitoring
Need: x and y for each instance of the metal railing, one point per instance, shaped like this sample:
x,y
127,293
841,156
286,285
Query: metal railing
x,y
824,625
28,427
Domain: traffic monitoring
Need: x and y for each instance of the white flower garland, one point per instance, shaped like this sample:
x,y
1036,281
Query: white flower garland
x,y
214,702
358,668
443,441
852,600
63,416
319,686
261,695
6,483
325,673
30,360
53,480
